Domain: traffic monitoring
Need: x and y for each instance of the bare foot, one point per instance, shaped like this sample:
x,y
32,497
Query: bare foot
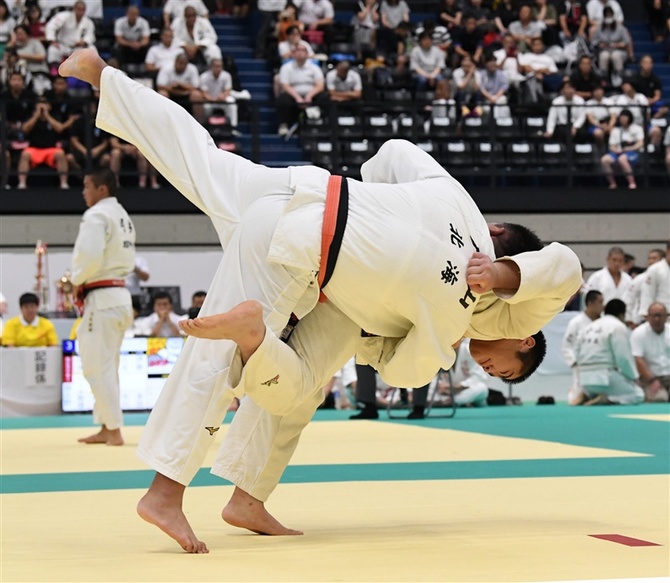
x,y
162,507
106,436
84,64
245,511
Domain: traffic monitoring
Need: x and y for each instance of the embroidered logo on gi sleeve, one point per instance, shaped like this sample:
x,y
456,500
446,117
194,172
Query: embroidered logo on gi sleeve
x,y
212,430
272,381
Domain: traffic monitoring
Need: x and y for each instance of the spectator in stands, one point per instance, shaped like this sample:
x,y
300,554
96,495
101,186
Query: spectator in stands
x,y
540,70
174,9
269,11
404,44
593,309
650,344
67,31
656,287
525,29
163,322
132,34
584,78
293,39
597,12
439,34
35,22
30,50
505,14
560,121
316,14
7,24
494,87
88,143
611,280
62,106
546,14
365,23
19,102
178,81
450,14
638,105
572,20
302,85
391,14
481,14
600,116
625,144
196,36
287,18
214,88
122,150
45,134
427,63
162,54
344,84
607,371
29,329
649,84
467,83
469,40
508,61
659,21
614,46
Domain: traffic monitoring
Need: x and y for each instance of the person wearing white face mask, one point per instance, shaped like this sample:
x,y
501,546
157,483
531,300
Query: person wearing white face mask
x,y
595,11
613,44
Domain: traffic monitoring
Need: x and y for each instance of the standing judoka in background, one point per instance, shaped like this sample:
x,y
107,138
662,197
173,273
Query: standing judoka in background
x,y
104,255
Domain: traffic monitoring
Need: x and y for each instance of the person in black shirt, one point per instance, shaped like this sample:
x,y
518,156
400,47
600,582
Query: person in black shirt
x,y
572,19
18,103
88,142
469,41
507,12
647,82
659,18
584,79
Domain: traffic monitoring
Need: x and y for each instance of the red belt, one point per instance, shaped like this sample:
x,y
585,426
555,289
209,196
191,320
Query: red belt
x,y
334,222
87,287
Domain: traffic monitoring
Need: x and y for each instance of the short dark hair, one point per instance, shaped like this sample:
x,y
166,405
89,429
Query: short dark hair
x,y
615,308
199,294
636,270
617,250
161,295
592,296
516,239
531,360
291,29
29,298
104,177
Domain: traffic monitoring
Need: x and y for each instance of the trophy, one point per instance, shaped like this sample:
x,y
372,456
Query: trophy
x,y
65,294
42,275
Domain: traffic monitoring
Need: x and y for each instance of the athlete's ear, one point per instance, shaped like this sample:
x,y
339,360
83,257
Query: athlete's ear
x,y
496,229
525,344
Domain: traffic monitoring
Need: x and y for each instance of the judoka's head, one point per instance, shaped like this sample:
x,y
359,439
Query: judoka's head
x,y
512,239
615,260
594,303
98,185
616,308
79,10
657,316
512,360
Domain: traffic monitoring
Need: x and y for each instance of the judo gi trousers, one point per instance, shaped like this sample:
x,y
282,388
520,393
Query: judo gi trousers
x,y
619,389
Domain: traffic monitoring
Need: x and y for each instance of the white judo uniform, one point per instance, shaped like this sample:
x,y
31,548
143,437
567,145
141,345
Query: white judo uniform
x,y
655,286
471,377
63,31
603,282
568,350
606,363
104,250
400,274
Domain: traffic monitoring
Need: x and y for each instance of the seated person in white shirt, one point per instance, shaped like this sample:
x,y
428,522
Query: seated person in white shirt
x,y
600,116
179,81
625,144
540,70
163,53
651,348
175,8
293,39
132,35
214,89
163,321
344,84
559,121
196,36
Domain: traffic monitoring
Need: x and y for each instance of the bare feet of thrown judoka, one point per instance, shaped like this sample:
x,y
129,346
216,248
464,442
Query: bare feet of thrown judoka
x,y
162,507
84,64
106,436
245,511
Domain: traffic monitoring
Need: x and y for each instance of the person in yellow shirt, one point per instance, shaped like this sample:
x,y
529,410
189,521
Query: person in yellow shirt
x,y
29,329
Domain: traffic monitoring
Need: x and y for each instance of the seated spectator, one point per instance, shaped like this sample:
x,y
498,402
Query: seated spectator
x,y
302,85
89,145
67,31
122,150
30,50
63,107
293,39
494,87
584,79
7,24
560,122
546,14
196,36
35,22
467,82
659,18
650,344
469,41
391,14
625,144
613,45
572,20
45,134
607,371
649,84
481,14
162,54
132,34
174,9
525,29
19,102
214,87
344,84
163,322
638,105
29,329
316,14
287,18
178,81
540,70
505,14
450,14
595,10
439,34
197,299
427,63
507,59
600,116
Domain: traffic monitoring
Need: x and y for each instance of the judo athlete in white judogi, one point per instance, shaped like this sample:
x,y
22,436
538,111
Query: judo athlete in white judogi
x,y
656,284
401,275
611,280
104,255
607,371
593,308
67,31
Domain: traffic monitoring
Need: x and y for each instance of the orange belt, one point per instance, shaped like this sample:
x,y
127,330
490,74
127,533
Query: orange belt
x,y
334,222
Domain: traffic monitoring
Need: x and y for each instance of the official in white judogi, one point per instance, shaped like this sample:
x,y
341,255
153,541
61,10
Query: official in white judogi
x,y
603,281
605,361
203,35
104,252
656,285
469,380
269,222
67,31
